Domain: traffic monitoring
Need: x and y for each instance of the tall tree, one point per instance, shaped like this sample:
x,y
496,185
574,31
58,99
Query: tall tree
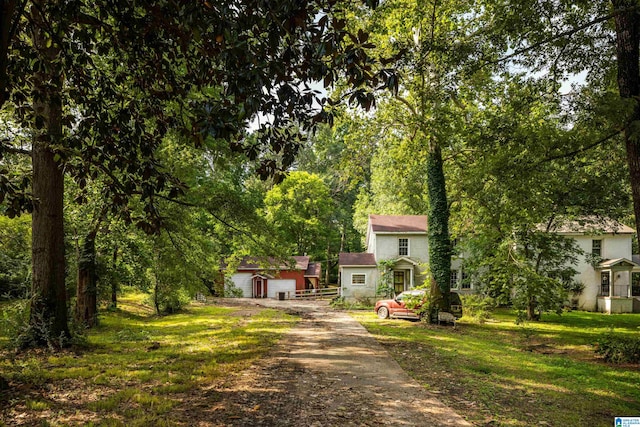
x,y
301,211
97,85
440,41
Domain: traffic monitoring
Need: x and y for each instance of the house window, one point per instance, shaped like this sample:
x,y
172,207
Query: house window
x,y
454,279
466,284
596,247
403,247
635,284
358,279
398,281
604,283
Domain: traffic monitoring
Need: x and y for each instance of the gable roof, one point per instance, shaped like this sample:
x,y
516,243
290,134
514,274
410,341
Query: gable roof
x,y
618,262
590,225
398,223
270,263
365,259
313,270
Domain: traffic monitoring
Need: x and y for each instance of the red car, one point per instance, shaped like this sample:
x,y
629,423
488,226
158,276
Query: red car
x,y
397,308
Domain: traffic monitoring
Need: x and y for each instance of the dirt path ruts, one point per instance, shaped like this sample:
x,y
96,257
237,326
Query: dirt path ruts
x,y
327,371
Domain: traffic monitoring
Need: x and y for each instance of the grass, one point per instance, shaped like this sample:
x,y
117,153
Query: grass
x,y
503,374
137,368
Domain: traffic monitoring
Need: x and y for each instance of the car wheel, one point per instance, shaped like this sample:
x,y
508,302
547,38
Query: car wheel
x,y
383,312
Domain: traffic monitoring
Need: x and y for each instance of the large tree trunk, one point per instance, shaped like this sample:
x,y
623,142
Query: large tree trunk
x,y
87,291
627,45
48,317
439,242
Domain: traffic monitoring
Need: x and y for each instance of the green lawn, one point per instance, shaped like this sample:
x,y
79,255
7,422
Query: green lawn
x,y
137,369
500,373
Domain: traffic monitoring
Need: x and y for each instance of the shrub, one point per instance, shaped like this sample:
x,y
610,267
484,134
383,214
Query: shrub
x,y
618,349
231,290
478,307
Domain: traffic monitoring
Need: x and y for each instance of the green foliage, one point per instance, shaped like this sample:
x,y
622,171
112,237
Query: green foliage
x,y
618,348
439,242
385,287
14,321
300,209
231,290
478,307
533,270
357,304
15,256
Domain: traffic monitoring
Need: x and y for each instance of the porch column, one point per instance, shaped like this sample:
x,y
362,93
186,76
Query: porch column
x,y
411,273
612,280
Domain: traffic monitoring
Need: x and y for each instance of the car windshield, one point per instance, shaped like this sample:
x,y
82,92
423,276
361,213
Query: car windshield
x,y
410,294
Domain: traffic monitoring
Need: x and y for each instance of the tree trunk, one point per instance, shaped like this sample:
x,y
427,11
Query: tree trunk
x,y
86,299
627,43
48,316
439,242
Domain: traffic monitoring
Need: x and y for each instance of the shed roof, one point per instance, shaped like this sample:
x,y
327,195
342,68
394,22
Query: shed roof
x,y
398,223
365,259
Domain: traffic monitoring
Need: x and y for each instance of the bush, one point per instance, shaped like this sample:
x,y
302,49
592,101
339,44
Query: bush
x,y
478,307
618,349
231,290
22,331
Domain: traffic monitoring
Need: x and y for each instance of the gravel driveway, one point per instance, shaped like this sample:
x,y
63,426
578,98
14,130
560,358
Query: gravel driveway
x,y
328,371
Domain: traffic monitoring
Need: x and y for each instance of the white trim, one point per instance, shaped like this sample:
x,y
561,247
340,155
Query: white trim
x,y
408,247
358,266
408,233
364,275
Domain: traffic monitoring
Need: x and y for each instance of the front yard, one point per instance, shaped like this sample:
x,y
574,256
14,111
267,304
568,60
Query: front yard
x,y
503,374
139,369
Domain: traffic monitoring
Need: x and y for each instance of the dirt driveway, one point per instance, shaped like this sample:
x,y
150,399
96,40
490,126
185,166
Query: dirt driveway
x,y
327,371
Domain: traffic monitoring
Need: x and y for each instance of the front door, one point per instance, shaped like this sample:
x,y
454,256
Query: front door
x,y
399,281
259,288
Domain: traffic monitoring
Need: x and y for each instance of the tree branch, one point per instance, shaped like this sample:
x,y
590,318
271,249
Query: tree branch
x,y
13,150
563,34
583,149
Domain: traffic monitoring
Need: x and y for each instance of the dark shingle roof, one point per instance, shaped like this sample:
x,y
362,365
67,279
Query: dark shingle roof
x,y
363,259
313,270
270,263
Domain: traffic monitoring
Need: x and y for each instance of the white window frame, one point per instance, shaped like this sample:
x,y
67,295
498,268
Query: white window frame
x,y
593,248
399,247
455,282
364,282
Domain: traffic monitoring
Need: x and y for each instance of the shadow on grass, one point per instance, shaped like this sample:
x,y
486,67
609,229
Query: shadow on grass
x,y
488,365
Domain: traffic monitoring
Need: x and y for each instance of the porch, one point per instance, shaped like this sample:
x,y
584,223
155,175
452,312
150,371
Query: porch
x,y
619,286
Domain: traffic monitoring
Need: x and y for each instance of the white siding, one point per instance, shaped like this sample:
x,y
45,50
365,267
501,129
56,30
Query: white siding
x,y
613,247
368,290
386,246
244,282
281,285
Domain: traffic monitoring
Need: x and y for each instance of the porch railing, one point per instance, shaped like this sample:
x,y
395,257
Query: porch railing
x,y
618,291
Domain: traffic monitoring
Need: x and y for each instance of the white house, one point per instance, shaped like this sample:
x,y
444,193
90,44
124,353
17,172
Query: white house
x,y
612,282
401,240
608,270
